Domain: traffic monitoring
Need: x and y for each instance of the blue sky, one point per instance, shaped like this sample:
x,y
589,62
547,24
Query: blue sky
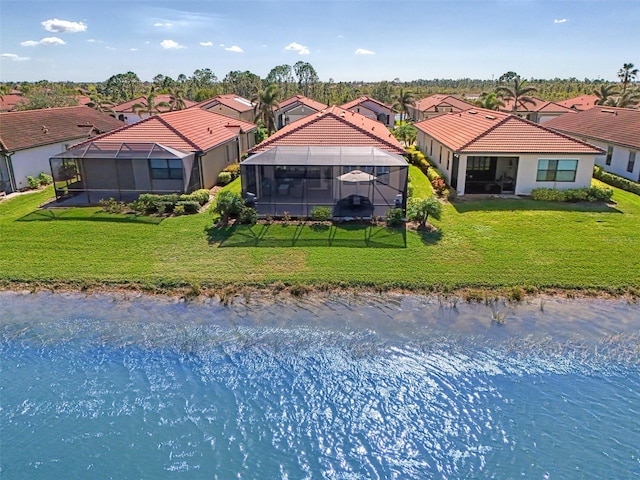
x,y
372,40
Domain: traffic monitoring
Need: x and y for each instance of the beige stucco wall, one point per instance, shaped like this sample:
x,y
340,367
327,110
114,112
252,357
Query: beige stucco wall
x,y
214,161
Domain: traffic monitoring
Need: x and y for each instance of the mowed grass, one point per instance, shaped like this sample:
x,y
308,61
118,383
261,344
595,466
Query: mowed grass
x,y
479,243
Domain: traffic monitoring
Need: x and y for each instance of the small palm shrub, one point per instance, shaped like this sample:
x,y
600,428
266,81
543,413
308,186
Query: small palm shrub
x,y
420,209
394,217
228,204
248,216
320,214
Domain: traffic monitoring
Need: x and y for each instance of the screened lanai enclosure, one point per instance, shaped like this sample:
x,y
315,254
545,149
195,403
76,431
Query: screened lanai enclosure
x,y
357,182
101,170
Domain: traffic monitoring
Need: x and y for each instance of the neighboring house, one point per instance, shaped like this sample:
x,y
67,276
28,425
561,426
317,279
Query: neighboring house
x,y
174,152
540,111
615,130
231,105
304,165
436,105
9,101
124,111
583,102
484,151
294,108
373,109
28,138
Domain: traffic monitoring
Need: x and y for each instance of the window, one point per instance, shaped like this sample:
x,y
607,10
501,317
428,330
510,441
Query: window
x,y
440,156
609,155
478,164
632,161
166,169
557,170
431,148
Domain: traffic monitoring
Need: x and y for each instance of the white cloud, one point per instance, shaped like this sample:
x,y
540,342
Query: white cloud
x,y
561,20
206,44
147,42
63,26
14,57
171,45
222,44
301,49
362,51
44,41
133,49
234,48
112,49
340,36
163,24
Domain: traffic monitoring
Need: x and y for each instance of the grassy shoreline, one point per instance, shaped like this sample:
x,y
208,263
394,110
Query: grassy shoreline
x,y
482,248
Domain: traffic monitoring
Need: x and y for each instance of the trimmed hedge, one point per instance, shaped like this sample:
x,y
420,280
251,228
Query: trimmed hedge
x,y
151,203
435,176
616,180
592,194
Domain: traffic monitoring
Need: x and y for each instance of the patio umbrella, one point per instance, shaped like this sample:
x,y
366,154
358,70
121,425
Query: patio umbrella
x,y
357,176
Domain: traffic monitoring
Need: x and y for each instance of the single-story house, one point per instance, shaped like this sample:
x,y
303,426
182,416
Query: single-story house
x,y
484,151
174,152
28,138
373,109
437,104
583,102
295,108
230,105
124,111
540,111
308,163
615,130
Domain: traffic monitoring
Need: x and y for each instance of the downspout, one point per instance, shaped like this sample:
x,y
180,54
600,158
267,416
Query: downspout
x,y
9,165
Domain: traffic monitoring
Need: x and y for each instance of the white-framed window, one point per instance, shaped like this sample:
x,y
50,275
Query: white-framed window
x,y
632,161
552,170
162,169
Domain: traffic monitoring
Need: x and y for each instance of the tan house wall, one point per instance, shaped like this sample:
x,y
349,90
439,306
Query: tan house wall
x,y
216,160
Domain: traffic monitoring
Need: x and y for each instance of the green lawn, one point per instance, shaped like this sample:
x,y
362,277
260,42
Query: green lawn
x,y
484,243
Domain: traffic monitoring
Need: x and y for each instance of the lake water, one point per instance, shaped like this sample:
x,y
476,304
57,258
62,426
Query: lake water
x,y
342,387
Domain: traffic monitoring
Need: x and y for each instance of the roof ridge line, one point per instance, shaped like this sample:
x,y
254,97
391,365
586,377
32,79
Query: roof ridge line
x,y
363,130
486,132
177,132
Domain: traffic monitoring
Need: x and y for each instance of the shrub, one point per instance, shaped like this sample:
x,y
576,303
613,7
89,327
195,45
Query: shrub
x,y
419,209
547,195
224,178
33,182
201,196
179,210
409,190
111,205
616,180
234,170
320,214
394,217
598,194
440,187
137,206
248,216
228,204
188,206
45,179
593,194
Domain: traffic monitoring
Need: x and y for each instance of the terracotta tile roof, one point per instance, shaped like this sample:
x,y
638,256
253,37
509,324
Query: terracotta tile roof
x,y
9,101
163,97
296,100
609,124
188,130
539,106
583,102
439,100
478,130
333,127
364,99
32,128
234,102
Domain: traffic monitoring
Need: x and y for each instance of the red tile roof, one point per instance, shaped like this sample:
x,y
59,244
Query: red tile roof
x,y
163,97
296,100
9,101
609,124
234,102
478,130
539,105
188,130
33,128
583,102
439,100
334,127
361,100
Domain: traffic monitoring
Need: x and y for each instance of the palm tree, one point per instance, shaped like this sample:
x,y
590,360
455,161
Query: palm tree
x,y
489,100
176,100
628,99
518,91
420,209
149,105
265,102
627,74
604,93
101,103
402,101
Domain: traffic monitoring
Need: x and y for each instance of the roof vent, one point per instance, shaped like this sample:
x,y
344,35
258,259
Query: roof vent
x,y
490,117
472,112
604,110
45,129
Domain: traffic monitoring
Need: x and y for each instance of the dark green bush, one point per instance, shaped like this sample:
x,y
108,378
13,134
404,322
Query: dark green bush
x,y
234,170
179,210
33,182
394,217
201,196
188,206
320,214
593,194
248,216
228,204
435,176
616,180
45,179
